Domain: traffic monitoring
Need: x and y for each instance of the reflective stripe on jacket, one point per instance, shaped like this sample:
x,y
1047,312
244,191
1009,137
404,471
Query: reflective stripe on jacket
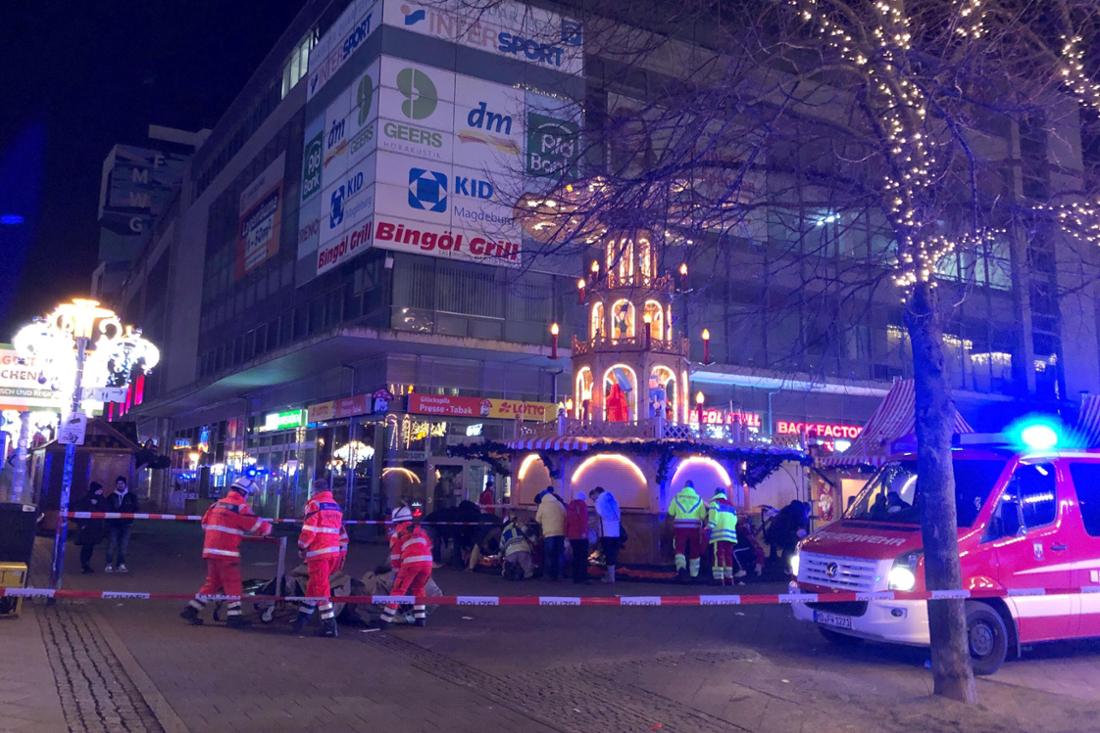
x,y
225,522
410,546
323,527
722,521
687,509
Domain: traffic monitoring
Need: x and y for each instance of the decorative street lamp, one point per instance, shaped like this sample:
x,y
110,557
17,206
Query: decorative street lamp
x,y
554,331
84,354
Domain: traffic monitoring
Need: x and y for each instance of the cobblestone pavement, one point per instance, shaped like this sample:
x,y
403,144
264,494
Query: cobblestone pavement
x,y
571,670
96,693
29,700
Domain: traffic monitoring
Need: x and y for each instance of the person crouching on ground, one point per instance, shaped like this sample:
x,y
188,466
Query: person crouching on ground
x,y
323,544
515,547
411,557
225,522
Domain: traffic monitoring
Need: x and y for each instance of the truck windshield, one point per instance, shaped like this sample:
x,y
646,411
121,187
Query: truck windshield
x,y
891,496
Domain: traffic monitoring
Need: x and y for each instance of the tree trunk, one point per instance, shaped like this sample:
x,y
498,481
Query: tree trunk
x,y
936,485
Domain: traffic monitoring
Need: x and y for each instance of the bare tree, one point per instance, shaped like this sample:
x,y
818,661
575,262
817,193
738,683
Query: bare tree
x,y
718,125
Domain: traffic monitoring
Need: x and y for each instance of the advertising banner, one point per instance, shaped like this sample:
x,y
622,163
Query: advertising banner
x,y
340,41
260,215
410,157
479,407
19,387
510,29
818,429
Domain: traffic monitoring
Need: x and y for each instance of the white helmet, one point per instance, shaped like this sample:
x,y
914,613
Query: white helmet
x,y
243,484
401,514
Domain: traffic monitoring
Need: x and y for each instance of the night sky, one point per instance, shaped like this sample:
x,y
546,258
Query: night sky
x,y
79,77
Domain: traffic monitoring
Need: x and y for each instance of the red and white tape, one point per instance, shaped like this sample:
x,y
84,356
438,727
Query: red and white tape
x,y
717,599
198,517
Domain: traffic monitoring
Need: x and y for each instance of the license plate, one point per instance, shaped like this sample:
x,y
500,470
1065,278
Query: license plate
x,y
835,620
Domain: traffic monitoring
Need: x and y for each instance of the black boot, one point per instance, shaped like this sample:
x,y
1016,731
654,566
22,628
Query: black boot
x,y
237,621
328,628
191,616
300,622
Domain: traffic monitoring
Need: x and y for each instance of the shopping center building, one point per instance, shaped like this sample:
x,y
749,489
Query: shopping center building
x,y
341,287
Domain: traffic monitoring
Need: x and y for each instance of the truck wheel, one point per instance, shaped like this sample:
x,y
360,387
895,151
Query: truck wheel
x,y
987,638
838,638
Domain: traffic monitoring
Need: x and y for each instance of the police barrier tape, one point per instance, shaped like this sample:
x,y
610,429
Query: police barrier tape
x,y
198,518
755,599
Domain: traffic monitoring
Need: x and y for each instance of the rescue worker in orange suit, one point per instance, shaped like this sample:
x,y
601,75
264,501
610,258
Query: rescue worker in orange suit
x,y
224,524
411,557
323,544
688,514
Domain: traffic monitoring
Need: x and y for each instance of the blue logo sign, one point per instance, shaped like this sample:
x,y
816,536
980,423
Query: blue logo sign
x,y
336,208
572,32
427,190
412,17
473,188
533,50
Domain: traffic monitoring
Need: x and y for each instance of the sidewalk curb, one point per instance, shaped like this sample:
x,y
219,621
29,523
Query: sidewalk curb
x,y
166,716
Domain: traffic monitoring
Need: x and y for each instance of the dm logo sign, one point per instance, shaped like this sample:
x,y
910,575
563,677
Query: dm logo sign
x,y
311,166
427,190
551,146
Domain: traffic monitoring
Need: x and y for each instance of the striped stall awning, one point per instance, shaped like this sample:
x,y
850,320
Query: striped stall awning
x,y
554,444
893,419
1088,420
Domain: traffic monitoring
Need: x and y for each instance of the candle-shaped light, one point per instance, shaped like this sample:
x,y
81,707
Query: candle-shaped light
x,y
554,331
594,271
569,406
706,346
648,320
580,290
682,284
699,407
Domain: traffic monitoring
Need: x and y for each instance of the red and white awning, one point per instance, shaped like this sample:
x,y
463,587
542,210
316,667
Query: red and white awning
x,y
552,444
893,419
1088,420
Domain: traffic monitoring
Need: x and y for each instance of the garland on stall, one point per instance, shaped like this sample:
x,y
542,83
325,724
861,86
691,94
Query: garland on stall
x,y
495,454
548,461
761,461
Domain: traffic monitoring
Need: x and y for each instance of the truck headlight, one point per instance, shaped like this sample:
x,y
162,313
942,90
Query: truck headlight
x,y
793,563
903,575
902,578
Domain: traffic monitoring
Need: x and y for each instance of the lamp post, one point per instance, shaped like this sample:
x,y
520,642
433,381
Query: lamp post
x,y
706,346
554,331
80,344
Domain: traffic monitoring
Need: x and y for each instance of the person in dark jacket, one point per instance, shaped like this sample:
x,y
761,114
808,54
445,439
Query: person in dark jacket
x,y
91,531
123,500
